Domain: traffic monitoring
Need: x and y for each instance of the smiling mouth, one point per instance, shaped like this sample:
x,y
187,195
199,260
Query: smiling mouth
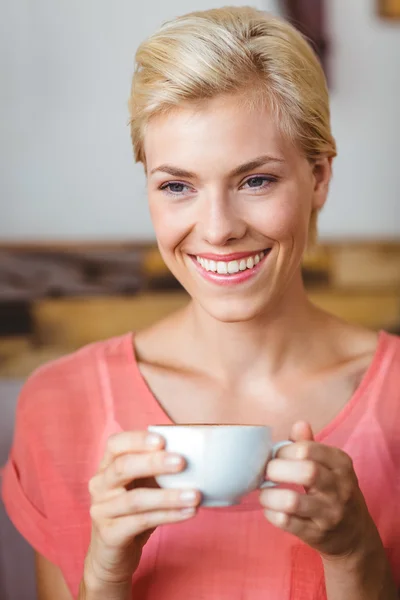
x,y
232,267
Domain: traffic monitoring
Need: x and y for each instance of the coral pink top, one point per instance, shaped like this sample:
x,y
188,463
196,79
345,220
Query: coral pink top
x,y
68,409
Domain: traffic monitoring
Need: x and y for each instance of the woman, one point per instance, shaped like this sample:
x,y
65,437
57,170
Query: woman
x,y
230,117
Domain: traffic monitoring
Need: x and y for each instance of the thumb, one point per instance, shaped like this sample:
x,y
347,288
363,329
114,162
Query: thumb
x,y
302,432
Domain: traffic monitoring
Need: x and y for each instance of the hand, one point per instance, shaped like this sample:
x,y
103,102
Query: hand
x,y
127,505
331,516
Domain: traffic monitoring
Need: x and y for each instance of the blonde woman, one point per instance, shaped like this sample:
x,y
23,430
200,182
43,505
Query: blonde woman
x,y
230,118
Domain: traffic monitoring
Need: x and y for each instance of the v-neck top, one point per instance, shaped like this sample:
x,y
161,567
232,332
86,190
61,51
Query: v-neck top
x,y
67,410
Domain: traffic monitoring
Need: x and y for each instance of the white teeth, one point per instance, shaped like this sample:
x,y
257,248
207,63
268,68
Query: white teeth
x,y
231,267
222,267
250,262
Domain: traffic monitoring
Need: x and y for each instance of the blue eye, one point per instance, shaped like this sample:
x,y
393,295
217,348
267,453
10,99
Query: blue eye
x,y
174,188
255,182
259,182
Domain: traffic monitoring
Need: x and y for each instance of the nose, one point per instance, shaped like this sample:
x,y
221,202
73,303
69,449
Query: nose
x,y
220,220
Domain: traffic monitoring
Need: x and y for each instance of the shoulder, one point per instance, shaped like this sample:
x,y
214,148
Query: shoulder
x,y
61,425
381,384
71,385
383,390
387,360
66,412
392,342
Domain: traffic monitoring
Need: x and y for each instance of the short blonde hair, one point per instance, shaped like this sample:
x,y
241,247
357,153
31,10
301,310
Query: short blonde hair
x,y
233,50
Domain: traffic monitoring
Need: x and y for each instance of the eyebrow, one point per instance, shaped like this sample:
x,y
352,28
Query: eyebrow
x,y
240,170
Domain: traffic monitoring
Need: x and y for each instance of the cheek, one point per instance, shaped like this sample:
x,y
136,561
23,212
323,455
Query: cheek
x,y
283,219
169,228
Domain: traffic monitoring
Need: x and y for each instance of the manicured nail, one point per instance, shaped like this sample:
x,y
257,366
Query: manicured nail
x,y
187,512
153,440
173,460
188,496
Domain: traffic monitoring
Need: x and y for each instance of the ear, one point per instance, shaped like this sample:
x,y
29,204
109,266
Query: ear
x,y
322,173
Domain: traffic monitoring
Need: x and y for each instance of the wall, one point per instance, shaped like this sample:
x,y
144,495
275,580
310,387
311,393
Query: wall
x,y
365,193
67,166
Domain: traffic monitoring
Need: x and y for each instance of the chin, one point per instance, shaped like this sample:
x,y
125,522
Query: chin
x,y
234,310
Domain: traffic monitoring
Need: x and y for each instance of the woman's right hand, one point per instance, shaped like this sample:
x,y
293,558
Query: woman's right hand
x,y
127,505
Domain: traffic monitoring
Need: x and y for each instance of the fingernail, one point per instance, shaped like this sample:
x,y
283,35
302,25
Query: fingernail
x,y
188,496
173,460
188,512
153,440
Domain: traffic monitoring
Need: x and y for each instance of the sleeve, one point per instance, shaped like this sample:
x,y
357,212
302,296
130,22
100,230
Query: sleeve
x,y
22,476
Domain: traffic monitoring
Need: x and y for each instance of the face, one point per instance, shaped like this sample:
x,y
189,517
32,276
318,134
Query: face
x,y
230,201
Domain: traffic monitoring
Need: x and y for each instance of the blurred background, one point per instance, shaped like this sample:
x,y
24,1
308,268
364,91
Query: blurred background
x,y
78,261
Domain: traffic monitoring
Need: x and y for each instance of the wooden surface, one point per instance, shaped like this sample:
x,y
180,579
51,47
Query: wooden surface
x,y
77,321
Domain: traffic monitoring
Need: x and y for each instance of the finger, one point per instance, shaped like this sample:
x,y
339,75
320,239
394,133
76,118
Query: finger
x,y
128,467
117,531
293,503
130,441
301,431
142,500
307,473
329,456
289,523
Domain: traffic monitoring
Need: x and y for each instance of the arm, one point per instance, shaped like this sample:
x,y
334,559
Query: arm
x,y
366,576
50,584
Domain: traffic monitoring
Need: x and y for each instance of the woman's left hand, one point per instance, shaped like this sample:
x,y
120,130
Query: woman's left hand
x,y
331,516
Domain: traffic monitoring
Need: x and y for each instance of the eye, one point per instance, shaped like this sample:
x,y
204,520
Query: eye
x,y
174,188
257,182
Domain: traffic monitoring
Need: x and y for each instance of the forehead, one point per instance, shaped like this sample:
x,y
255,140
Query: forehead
x,y
220,132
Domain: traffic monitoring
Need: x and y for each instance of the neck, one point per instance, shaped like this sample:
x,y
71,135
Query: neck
x,y
270,342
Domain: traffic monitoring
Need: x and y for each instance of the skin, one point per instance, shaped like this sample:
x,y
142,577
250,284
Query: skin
x,y
215,213
262,352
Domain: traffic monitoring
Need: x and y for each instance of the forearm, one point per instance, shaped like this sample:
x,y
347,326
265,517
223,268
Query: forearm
x,y
363,576
89,589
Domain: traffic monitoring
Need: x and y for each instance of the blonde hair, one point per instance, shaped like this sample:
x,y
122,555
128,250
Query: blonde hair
x,y
234,50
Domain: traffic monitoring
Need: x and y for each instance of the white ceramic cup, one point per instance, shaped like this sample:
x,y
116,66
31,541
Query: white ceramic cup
x,y
223,462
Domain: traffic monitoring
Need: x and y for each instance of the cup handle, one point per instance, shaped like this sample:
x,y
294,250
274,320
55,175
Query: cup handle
x,y
275,448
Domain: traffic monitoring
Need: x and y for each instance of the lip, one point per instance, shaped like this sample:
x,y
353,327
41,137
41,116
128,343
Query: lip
x,y
229,257
234,278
